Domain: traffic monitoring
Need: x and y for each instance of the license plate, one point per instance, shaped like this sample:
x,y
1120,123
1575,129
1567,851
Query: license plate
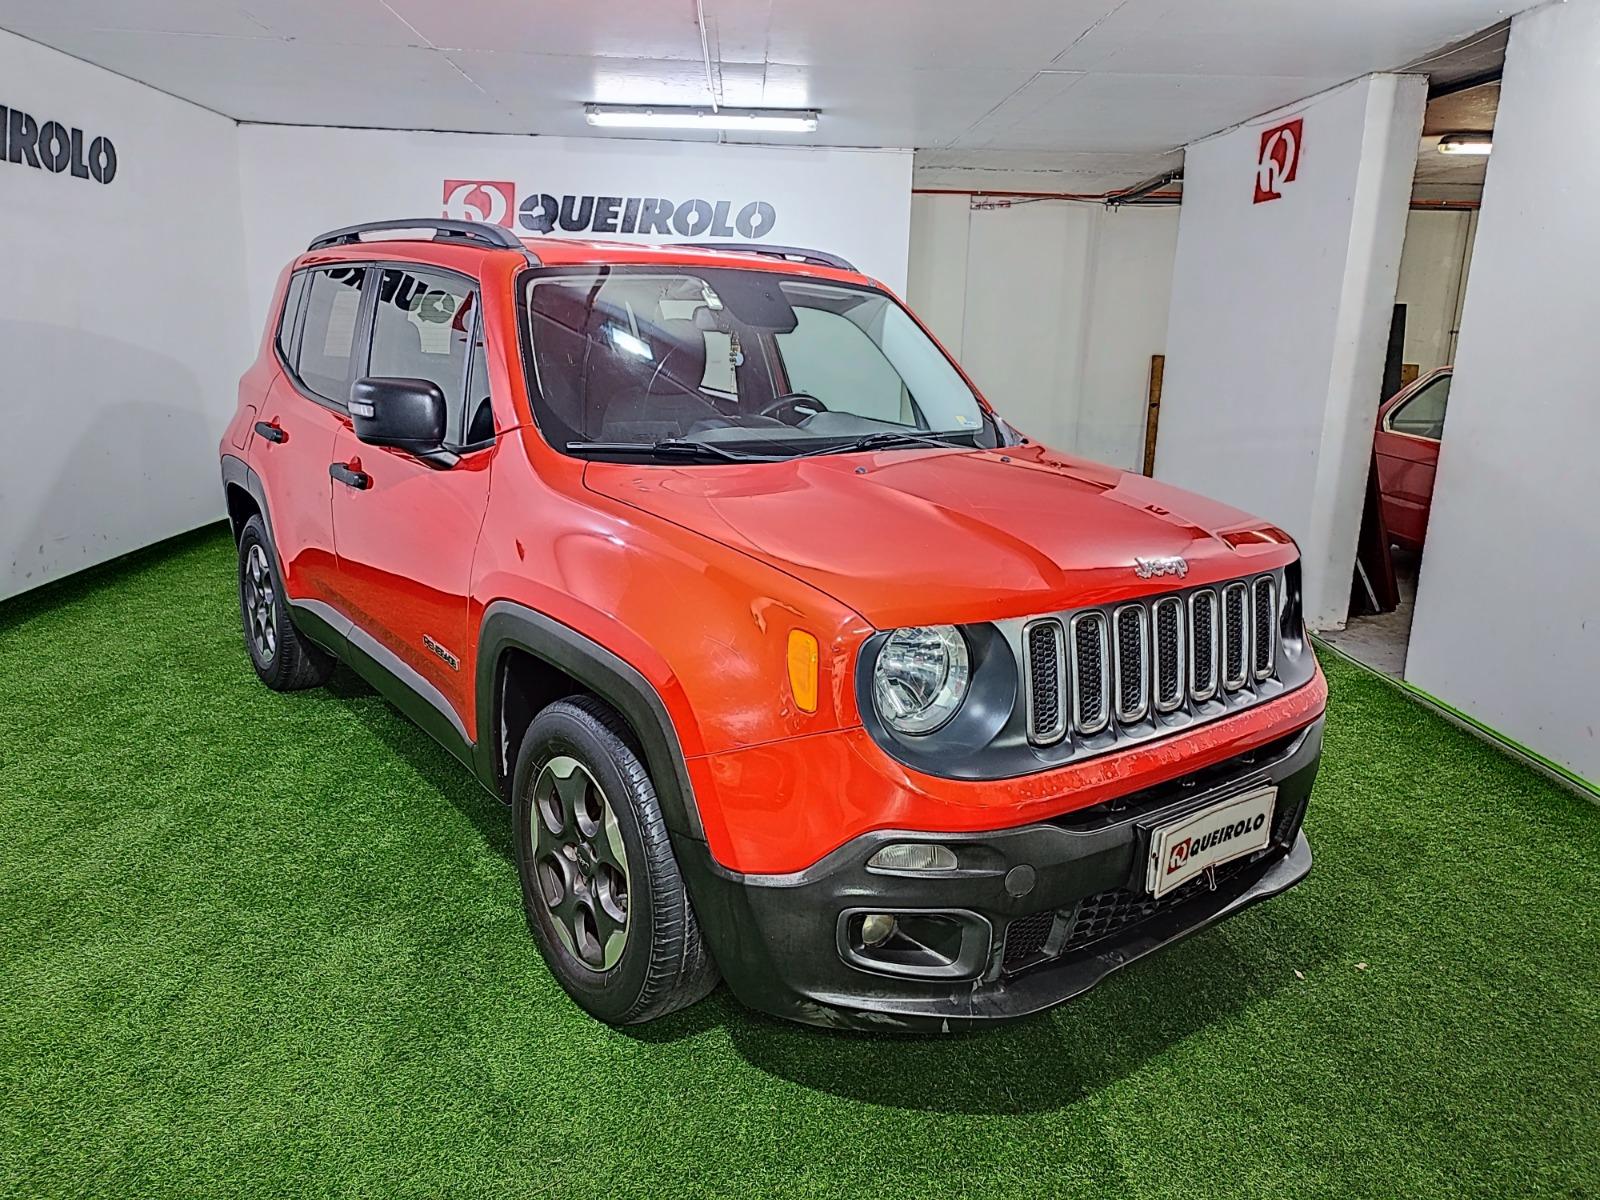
x,y
1185,848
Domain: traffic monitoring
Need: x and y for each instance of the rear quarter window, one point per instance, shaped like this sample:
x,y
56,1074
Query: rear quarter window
x,y
289,319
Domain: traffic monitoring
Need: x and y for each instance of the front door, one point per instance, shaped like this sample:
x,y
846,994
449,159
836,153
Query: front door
x,y
406,539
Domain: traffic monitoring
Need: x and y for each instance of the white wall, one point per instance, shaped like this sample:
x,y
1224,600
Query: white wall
x,y
1054,308
1433,277
1507,625
299,182
122,322
1280,318
131,308
1115,303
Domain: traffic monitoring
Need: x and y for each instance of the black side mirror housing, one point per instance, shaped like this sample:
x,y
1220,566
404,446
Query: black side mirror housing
x,y
407,414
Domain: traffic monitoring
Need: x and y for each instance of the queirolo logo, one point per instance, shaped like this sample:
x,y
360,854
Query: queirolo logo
x,y
1181,852
52,146
1279,160
544,212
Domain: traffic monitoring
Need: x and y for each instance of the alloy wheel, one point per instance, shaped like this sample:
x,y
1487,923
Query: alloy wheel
x,y
260,604
580,863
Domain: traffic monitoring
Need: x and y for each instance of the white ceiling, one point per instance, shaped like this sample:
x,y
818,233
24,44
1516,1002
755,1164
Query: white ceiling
x,y
1013,81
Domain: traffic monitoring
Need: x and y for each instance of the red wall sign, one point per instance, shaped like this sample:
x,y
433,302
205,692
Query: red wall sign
x,y
491,200
1279,162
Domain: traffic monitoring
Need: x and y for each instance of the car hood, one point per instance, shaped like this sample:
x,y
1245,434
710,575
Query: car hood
x,y
914,536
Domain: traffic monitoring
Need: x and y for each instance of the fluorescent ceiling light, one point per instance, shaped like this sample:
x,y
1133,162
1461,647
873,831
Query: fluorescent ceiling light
x,y
1466,143
752,120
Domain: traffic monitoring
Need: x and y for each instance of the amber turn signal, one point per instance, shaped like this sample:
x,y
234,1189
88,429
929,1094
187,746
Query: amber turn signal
x,y
803,669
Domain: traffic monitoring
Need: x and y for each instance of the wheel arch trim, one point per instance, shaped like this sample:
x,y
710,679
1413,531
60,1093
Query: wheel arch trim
x,y
240,474
510,626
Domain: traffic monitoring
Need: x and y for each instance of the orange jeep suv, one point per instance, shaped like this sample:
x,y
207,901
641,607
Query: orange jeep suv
x,y
798,666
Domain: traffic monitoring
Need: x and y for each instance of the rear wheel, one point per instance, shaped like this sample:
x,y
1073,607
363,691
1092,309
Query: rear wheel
x,y
284,660
600,886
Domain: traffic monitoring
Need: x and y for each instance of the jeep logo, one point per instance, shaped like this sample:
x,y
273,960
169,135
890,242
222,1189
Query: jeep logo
x,y
1168,564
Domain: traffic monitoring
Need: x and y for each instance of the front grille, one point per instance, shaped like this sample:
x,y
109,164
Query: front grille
x,y
1106,913
1100,916
1045,670
1168,656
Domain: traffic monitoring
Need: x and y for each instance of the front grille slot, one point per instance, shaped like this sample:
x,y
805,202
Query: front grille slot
x,y
1033,940
1044,669
1235,636
1264,606
1133,662
1167,645
1106,913
1026,936
1091,673
1203,645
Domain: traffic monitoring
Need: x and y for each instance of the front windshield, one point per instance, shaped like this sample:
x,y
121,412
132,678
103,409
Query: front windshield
x,y
751,361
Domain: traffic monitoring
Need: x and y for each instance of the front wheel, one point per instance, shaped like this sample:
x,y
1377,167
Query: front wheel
x,y
600,886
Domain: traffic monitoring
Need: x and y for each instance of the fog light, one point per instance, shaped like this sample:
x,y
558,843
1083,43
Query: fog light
x,y
925,945
876,928
914,856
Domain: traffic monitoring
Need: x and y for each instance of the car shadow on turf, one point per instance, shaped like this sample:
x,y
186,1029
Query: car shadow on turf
x,y
427,758
1039,1064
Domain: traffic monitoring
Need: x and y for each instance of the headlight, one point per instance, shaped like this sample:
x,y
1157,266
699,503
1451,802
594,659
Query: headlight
x,y
920,678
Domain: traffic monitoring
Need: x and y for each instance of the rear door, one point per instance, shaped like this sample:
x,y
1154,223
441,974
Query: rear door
x,y
405,541
293,438
1407,448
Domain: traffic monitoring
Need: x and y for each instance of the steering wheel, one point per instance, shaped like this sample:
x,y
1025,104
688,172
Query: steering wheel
x,y
803,404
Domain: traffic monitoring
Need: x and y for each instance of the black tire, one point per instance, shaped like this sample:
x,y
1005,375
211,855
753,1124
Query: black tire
x,y
283,658
661,963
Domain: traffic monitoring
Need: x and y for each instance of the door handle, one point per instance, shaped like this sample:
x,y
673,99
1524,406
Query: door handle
x,y
272,431
346,475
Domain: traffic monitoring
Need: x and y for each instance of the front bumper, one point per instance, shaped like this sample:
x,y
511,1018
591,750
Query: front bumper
x,y
1046,910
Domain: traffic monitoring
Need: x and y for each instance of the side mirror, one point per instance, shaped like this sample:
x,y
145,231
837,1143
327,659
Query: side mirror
x,y
407,414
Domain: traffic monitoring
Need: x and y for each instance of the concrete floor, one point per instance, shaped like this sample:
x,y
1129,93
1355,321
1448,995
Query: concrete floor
x,y
1380,642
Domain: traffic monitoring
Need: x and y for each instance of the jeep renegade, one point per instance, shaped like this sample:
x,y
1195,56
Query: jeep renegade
x,y
798,666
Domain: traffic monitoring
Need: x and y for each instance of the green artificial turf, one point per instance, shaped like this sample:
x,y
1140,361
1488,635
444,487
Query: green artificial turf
x,y
254,944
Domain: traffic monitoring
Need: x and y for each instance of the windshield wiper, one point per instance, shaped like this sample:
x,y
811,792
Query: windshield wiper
x,y
666,448
887,440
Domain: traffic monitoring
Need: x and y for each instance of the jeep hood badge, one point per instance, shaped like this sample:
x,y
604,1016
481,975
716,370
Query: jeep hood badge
x,y
1170,564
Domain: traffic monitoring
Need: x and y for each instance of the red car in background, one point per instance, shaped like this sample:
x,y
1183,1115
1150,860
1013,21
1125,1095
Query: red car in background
x,y
1410,425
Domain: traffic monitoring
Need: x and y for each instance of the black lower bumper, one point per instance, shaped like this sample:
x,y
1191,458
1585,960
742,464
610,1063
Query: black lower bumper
x,y
1044,911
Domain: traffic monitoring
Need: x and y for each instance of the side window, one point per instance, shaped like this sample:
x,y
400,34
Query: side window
x,y
1423,414
328,331
832,358
423,325
289,321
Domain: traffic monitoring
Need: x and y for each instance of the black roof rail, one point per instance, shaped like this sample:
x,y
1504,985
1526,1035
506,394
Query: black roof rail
x,y
494,237
817,258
